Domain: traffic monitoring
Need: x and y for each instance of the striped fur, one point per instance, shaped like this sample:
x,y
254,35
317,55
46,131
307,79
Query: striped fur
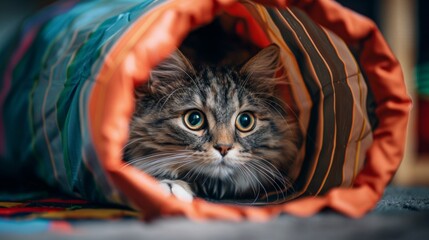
x,y
258,163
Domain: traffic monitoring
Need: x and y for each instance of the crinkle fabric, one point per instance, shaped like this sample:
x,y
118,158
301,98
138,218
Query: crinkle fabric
x,y
68,79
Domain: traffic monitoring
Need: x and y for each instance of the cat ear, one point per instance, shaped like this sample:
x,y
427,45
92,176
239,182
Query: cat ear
x,y
261,68
168,75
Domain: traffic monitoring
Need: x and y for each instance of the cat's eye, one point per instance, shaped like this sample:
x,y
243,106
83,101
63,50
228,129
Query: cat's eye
x,y
245,122
194,120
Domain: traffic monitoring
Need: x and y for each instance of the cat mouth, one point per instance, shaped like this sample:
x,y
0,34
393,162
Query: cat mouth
x,y
224,162
223,167
219,168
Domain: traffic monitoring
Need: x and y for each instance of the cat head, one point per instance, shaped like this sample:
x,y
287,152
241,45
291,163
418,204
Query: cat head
x,y
220,128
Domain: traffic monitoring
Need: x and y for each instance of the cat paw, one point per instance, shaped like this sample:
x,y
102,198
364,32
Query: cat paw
x,y
178,188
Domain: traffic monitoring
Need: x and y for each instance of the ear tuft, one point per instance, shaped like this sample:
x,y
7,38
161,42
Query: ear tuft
x,y
170,73
261,68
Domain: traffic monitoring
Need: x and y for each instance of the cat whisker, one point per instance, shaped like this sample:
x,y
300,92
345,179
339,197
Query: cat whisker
x,y
159,163
144,163
284,104
257,180
194,81
162,167
190,162
252,185
287,184
269,107
168,97
154,158
197,169
270,179
287,123
156,155
268,96
273,167
268,172
243,83
131,142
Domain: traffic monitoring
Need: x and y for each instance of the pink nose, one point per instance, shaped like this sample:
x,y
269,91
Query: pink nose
x,y
223,148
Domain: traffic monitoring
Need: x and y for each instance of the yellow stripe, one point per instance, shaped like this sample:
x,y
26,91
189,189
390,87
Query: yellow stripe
x,y
9,204
269,26
90,213
334,46
358,145
335,129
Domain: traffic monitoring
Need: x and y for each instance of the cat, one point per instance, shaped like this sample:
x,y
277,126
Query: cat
x,y
215,132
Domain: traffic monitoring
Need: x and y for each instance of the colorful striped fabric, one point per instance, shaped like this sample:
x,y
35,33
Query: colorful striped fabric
x,y
67,95
62,208
44,86
331,95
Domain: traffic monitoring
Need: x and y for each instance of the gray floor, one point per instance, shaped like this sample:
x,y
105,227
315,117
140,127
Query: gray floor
x,y
403,213
323,226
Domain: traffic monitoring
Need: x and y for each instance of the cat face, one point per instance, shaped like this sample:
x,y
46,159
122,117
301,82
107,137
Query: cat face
x,y
222,130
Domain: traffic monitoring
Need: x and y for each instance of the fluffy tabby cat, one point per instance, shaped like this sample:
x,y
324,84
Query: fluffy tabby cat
x,y
214,132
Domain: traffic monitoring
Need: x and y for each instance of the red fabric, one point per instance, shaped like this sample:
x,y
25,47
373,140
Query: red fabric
x,y
155,36
385,78
5,212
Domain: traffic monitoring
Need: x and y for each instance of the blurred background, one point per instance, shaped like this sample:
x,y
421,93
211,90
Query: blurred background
x,y
404,23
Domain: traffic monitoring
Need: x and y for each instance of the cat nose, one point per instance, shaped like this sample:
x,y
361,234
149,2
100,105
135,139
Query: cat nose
x,y
223,148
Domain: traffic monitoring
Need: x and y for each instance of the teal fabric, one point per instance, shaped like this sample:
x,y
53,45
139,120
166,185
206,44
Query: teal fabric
x,y
45,88
422,79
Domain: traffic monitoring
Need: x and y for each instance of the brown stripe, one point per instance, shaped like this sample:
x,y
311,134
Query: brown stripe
x,y
315,74
343,101
361,129
298,95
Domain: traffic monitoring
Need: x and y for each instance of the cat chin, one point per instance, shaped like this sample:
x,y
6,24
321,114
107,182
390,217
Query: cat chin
x,y
221,171
231,188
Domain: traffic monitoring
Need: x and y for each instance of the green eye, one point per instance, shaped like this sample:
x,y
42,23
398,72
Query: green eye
x,y
194,120
245,122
